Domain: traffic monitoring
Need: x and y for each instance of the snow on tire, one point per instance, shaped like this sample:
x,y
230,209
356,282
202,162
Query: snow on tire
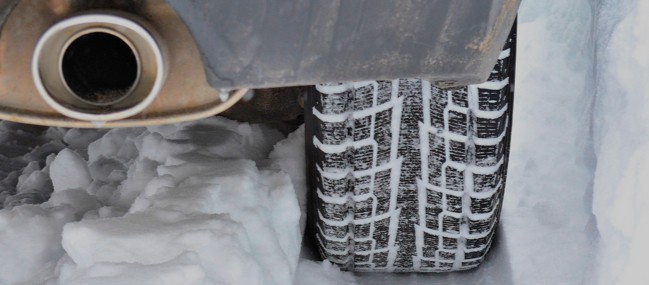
x,y
407,177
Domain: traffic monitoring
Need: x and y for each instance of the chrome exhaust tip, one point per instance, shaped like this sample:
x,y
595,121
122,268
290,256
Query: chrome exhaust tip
x,y
99,67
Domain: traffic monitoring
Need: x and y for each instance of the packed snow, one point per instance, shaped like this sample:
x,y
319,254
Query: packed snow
x,y
221,202
193,203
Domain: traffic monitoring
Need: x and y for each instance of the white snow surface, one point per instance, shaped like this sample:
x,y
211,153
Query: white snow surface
x,y
621,198
193,203
221,202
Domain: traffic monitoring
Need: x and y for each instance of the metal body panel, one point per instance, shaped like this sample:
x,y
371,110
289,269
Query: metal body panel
x,y
219,45
271,43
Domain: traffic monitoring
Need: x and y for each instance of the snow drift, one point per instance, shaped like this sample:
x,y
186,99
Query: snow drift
x,y
195,203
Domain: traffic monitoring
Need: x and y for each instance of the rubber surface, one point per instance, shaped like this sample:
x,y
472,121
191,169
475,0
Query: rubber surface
x,y
407,177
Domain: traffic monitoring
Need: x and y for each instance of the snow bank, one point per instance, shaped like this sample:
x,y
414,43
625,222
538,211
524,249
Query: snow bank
x,y
621,199
547,220
194,203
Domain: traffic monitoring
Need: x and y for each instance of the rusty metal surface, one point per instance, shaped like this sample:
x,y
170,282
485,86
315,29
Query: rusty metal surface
x,y
186,94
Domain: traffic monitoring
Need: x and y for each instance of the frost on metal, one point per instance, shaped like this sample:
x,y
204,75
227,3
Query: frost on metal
x,y
410,177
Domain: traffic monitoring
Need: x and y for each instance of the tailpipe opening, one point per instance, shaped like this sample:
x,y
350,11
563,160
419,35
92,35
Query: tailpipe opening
x,y
99,66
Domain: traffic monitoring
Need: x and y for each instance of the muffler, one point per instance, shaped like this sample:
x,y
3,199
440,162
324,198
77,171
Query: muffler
x,y
99,66
128,63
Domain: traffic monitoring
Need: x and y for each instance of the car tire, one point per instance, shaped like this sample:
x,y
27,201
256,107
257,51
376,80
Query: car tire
x,y
405,176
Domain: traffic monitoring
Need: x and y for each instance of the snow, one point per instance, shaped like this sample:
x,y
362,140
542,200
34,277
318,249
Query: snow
x,y
221,202
322,273
194,203
287,157
622,145
69,171
31,239
546,218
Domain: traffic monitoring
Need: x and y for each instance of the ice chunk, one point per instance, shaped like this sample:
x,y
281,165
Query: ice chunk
x,y
69,171
118,144
81,138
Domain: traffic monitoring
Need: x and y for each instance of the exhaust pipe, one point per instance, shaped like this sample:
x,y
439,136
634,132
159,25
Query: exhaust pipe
x,y
90,64
99,67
